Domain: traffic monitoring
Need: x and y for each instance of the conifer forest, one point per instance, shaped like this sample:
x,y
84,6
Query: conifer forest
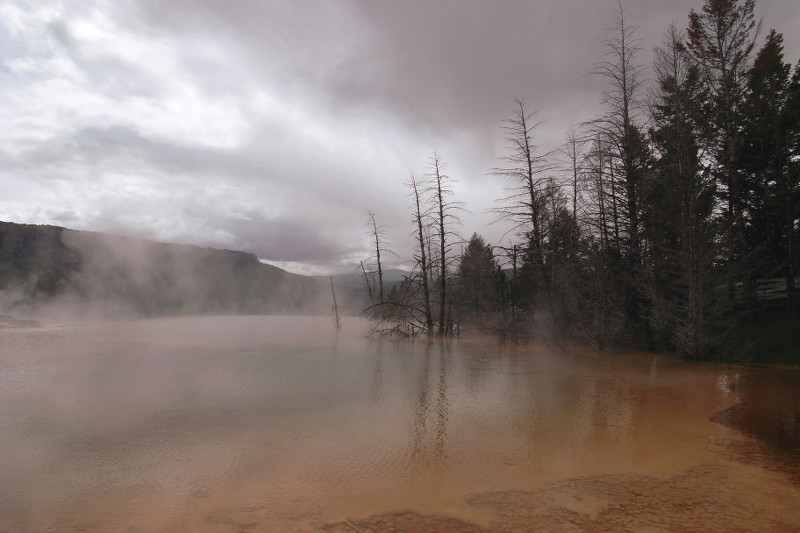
x,y
668,222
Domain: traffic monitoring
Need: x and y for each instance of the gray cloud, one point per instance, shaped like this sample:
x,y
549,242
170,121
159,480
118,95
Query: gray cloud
x,y
272,127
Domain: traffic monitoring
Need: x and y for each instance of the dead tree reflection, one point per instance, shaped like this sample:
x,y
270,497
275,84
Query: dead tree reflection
x,y
431,410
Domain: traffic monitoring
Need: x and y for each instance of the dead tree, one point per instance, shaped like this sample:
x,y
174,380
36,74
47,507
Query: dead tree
x,y
376,232
445,213
336,322
422,258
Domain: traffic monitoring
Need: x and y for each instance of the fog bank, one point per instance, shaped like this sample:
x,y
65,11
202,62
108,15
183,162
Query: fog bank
x,y
54,272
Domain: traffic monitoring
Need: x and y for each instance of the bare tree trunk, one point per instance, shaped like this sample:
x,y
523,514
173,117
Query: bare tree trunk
x,y
525,204
368,284
601,196
573,148
376,233
422,260
336,322
440,204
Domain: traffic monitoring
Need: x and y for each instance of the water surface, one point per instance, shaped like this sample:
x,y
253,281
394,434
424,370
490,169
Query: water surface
x,y
283,424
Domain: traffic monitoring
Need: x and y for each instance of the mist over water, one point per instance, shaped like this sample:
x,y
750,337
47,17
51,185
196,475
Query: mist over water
x,y
54,274
284,424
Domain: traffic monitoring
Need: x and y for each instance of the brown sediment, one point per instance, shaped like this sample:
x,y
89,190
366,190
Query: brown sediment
x,y
769,414
402,521
757,450
703,499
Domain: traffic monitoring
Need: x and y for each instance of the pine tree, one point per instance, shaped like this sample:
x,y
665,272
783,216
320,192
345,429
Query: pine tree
x,y
721,40
679,204
476,277
764,160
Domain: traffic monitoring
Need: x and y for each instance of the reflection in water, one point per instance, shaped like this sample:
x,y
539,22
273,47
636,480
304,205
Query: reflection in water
x,y
376,393
441,404
428,454
421,411
279,423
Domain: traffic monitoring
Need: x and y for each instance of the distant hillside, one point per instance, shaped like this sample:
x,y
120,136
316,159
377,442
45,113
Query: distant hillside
x,y
49,269
392,275
353,286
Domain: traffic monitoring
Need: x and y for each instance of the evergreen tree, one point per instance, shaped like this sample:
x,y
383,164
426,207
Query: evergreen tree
x,y
721,40
476,277
765,162
679,204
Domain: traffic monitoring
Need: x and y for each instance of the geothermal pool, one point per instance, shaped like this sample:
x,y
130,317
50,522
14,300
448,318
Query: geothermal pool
x,y
223,424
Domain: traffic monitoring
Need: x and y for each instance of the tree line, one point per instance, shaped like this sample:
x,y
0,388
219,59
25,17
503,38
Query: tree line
x,y
656,223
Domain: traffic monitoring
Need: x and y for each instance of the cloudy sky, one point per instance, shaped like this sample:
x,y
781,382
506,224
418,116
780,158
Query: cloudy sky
x,y
273,126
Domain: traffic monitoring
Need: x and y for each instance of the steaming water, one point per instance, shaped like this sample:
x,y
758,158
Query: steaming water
x,y
281,424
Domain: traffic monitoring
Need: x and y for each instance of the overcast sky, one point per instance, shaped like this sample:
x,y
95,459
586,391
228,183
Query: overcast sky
x,y
273,126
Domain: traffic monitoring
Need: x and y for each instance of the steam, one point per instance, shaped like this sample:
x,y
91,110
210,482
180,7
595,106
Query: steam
x,y
64,274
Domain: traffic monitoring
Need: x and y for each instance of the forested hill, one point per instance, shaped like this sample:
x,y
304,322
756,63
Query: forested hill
x,y
57,271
